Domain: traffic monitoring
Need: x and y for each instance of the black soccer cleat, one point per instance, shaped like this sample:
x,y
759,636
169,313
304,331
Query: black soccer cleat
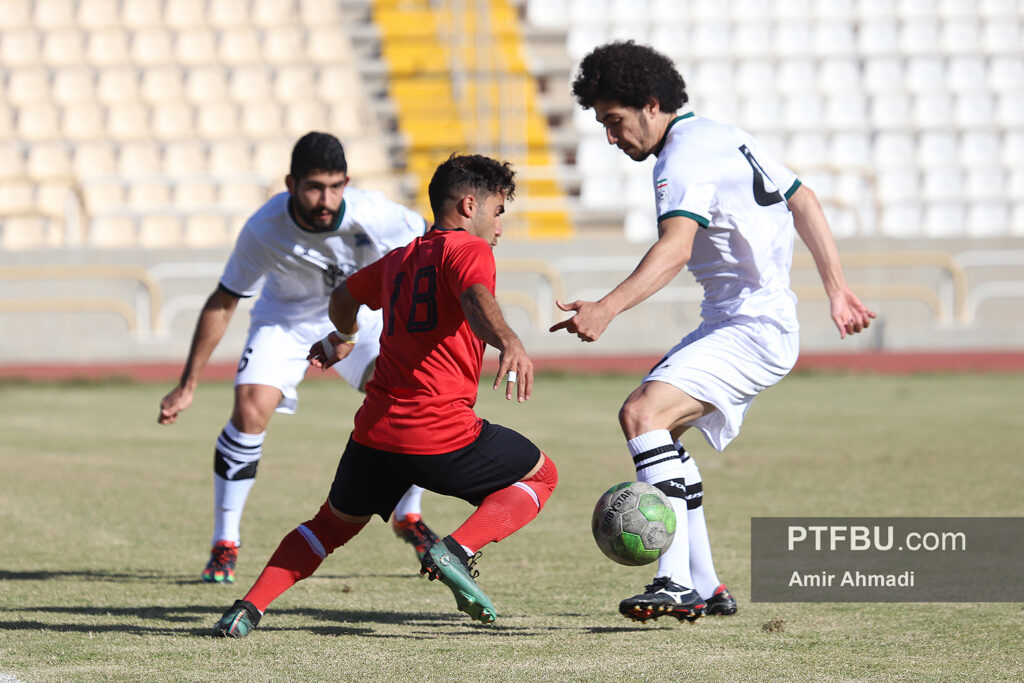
x,y
721,603
663,597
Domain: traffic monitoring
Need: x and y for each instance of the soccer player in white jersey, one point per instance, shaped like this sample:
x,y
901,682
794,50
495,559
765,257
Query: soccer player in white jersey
x,y
294,250
726,210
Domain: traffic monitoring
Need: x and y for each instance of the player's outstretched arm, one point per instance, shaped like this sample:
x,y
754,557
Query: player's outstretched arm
x,y
848,313
660,264
342,310
213,321
485,319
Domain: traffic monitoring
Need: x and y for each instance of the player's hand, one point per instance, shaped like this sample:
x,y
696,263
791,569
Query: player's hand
x,y
589,322
848,313
515,369
173,403
328,351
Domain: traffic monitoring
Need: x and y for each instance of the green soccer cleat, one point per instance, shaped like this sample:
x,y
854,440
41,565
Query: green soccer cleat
x,y
240,619
221,567
446,560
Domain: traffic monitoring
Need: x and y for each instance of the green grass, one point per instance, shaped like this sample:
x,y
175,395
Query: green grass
x,y
105,519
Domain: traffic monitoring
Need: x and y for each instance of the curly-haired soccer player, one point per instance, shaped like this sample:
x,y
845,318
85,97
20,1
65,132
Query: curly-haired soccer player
x,y
726,210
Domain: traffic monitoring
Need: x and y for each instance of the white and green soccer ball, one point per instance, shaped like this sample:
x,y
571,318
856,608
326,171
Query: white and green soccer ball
x,y
633,523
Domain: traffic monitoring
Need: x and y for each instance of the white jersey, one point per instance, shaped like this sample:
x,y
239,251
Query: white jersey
x,y
298,269
719,176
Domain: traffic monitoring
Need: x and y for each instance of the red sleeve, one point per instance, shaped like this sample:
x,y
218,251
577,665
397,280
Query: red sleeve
x,y
365,284
470,262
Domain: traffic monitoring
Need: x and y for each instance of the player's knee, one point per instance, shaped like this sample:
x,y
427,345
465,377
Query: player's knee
x,y
326,532
635,418
543,481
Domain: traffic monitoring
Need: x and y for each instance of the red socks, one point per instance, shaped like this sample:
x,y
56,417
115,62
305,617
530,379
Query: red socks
x,y
299,554
508,510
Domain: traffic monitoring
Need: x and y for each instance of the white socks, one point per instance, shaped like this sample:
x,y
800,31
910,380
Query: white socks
x,y
235,461
657,462
410,503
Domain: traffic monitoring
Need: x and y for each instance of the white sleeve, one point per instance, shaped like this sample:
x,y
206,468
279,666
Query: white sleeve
x,y
395,226
781,176
677,195
243,273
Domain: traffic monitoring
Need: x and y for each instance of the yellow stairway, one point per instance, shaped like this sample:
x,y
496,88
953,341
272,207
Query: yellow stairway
x,y
460,83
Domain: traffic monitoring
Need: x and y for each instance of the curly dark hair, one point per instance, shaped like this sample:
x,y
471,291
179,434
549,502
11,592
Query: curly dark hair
x,y
317,152
629,74
470,174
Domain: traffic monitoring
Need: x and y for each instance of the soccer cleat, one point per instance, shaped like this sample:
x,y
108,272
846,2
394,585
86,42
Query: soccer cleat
x,y
412,530
221,567
721,603
447,560
241,618
663,597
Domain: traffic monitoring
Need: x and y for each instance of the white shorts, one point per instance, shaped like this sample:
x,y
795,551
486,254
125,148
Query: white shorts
x,y
275,355
727,364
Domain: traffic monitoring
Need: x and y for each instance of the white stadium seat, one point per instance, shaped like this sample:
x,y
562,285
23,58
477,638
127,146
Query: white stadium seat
x,y
937,148
945,220
751,39
1005,73
838,75
548,13
173,120
1010,110
965,73
925,74
979,148
974,110
803,112
806,150
985,184
893,149
878,38
756,76
1001,36
988,219
847,111
960,37
898,185
933,110
883,75
919,37
834,39
902,220
890,112
943,184
796,76
793,39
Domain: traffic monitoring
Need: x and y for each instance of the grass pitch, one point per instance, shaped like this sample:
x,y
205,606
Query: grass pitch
x,y
106,522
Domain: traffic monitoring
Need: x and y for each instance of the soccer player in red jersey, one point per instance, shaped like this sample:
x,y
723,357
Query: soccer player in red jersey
x,y
417,424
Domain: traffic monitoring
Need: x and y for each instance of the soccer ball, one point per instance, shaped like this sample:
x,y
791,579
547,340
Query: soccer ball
x,y
633,523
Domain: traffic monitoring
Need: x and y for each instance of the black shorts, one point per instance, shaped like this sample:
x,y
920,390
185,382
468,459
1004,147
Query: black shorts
x,y
371,481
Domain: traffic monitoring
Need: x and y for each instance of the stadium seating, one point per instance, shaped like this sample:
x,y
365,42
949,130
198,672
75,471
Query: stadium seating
x,y
873,84
167,118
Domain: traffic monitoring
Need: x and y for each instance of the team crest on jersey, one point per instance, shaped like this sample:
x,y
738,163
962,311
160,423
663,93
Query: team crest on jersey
x,y
661,189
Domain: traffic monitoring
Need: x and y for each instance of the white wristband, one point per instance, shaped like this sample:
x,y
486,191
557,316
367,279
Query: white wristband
x,y
348,338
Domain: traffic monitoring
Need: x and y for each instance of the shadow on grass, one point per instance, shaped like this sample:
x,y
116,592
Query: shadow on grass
x,y
426,625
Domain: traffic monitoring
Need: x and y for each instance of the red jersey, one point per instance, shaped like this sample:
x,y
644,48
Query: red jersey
x,y
421,397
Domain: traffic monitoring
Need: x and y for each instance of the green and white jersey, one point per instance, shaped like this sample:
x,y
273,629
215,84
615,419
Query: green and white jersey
x,y
719,176
295,270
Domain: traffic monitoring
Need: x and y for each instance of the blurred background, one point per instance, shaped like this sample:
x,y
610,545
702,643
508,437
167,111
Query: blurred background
x,y
136,136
